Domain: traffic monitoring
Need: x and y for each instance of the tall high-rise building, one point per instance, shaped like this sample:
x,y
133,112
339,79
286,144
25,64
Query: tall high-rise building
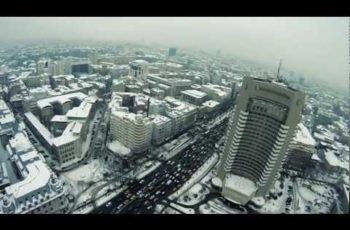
x,y
258,137
172,52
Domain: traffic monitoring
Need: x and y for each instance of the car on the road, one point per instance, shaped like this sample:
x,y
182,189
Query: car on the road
x,y
109,204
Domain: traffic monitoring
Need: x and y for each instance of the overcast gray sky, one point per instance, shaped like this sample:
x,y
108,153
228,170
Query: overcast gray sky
x,y
316,47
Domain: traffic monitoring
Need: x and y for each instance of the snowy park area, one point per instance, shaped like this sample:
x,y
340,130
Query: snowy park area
x,y
314,197
194,195
275,202
85,174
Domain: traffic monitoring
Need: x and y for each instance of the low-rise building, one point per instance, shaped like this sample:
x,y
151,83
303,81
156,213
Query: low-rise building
x,y
301,150
8,124
161,129
217,92
39,191
194,96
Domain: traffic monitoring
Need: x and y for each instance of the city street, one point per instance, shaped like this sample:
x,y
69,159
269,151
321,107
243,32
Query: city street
x,y
142,196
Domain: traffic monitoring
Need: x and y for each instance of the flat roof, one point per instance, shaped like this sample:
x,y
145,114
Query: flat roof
x,y
304,136
59,118
71,133
194,93
47,101
333,160
44,132
240,184
210,103
159,119
37,178
82,111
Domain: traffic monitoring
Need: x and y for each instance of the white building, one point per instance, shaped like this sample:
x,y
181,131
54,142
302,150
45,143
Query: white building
x,y
157,106
139,69
69,129
39,191
118,85
8,124
68,146
134,131
217,92
194,96
161,129
183,115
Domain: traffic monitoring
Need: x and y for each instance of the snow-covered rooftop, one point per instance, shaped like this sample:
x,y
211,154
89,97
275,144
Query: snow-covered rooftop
x,y
333,160
118,148
240,184
304,136
62,98
38,173
39,127
194,93
210,103
158,119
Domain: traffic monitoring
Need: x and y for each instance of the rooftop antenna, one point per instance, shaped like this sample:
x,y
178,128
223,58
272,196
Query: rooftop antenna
x,y
279,78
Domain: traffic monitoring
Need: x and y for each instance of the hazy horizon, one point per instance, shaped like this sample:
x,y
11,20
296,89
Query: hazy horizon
x,y
315,47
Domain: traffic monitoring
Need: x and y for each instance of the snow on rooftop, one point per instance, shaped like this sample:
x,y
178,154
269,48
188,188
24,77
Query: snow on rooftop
x,y
304,136
71,133
59,118
315,157
20,143
194,93
37,178
333,160
47,101
159,119
240,184
139,62
82,111
38,173
39,127
210,103
118,148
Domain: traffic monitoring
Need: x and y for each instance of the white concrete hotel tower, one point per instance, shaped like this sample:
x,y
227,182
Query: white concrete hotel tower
x,y
258,137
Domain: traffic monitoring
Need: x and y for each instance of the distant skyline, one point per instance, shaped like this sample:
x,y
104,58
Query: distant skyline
x,y
316,47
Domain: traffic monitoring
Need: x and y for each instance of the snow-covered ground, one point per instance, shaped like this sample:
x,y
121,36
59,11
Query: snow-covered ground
x,y
170,211
278,205
81,181
84,210
318,197
194,195
182,209
196,177
216,208
86,173
144,170
159,208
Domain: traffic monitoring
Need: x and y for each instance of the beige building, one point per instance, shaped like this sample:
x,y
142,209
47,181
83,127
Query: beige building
x,y
39,190
134,131
258,138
